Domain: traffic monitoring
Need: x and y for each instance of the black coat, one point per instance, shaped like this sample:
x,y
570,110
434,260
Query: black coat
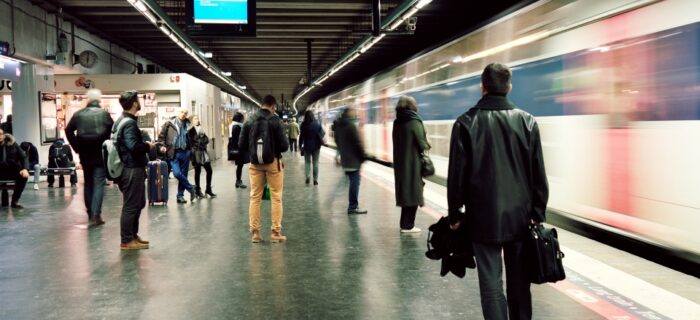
x,y
240,158
453,247
133,151
347,139
198,144
311,136
409,142
31,152
246,142
90,119
496,171
12,158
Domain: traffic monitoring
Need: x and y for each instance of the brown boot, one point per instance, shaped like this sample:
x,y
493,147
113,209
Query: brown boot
x,y
133,245
277,236
139,240
256,236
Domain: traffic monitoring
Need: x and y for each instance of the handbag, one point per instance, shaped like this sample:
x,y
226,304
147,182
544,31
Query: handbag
x,y
544,256
426,165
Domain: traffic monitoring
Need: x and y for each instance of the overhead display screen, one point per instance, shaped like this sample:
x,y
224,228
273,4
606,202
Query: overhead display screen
x,y
220,11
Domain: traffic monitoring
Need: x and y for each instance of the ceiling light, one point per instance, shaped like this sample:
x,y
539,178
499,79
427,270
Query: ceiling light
x,y
165,30
140,6
243,87
423,3
206,54
150,17
226,73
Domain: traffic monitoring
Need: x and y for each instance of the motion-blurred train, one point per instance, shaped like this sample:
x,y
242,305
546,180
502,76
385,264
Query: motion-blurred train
x,y
615,87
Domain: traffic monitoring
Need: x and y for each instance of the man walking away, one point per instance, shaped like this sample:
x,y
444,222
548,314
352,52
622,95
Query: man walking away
x,y
310,142
133,152
13,166
293,134
352,155
263,137
497,171
86,132
177,148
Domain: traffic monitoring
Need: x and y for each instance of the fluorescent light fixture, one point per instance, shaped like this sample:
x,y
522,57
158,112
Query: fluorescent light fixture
x,y
396,24
150,17
140,6
206,54
165,30
226,73
372,43
243,87
423,3
180,44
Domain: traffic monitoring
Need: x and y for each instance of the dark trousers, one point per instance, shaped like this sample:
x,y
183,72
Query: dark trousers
x,y
61,182
239,171
490,268
133,188
408,217
20,183
198,171
354,177
94,177
293,145
181,165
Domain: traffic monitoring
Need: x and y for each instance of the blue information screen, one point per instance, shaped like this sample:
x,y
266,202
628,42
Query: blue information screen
x,y
221,11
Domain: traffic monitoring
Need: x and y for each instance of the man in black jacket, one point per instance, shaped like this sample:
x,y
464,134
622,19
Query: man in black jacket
x,y
133,152
352,155
497,173
86,131
265,125
13,166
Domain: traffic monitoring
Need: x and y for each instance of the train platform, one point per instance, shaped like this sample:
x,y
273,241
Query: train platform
x,y
202,265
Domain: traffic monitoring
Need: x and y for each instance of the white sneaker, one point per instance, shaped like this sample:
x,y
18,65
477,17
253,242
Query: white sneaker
x,y
414,230
36,186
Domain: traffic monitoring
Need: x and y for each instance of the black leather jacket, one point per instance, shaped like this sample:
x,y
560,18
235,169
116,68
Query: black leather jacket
x,y
133,151
496,171
90,119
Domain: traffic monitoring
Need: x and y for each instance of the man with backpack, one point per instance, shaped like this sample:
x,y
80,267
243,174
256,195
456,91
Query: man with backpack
x,y
176,145
61,156
86,131
263,137
133,154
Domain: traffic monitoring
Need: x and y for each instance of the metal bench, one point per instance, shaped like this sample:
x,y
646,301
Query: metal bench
x,y
45,171
6,185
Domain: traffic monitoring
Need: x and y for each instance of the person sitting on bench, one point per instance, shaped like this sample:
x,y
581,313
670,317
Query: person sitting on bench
x,y
61,156
33,159
13,166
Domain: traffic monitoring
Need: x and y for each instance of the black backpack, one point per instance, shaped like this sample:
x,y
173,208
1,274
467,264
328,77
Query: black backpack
x,y
262,142
91,127
59,155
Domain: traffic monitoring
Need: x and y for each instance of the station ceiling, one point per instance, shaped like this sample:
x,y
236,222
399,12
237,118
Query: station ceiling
x,y
275,61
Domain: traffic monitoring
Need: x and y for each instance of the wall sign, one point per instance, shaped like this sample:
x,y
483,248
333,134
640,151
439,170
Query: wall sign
x,y
5,86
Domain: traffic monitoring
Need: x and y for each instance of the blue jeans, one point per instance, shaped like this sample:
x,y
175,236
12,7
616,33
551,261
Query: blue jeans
x,y
181,165
94,177
354,177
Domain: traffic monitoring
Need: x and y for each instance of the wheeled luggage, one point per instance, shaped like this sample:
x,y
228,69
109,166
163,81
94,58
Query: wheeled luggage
x,y
157,182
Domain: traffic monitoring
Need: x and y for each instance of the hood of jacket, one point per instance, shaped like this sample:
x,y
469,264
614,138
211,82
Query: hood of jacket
x,y
9,139
405,115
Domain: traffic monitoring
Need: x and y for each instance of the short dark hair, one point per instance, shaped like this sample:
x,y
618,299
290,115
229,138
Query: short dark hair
x,y
309,116
269,100
496,78
238,117
127,98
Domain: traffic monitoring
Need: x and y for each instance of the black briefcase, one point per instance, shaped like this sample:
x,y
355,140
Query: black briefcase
x,y
544,255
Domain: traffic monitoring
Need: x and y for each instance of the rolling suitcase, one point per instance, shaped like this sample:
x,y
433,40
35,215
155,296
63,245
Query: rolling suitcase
x,y
157,182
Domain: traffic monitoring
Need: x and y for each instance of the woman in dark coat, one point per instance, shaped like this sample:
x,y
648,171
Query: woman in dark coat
x,y
240,158
409,142
310,142
200,156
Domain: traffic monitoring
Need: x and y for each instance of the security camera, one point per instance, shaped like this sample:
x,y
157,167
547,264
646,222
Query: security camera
x,y
411,23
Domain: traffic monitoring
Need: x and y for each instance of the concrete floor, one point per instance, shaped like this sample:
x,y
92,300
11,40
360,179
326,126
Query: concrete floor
x,y
202,265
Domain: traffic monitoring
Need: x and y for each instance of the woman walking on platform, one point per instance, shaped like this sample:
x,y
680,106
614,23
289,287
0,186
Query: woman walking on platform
x,y
409,143
200,156
238,157
310,142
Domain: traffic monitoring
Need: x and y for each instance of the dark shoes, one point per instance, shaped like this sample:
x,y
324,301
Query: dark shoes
x,y
193,197
308,180
199,194
211,194
315,182
182,200
16,205
357,211
239,184
98,221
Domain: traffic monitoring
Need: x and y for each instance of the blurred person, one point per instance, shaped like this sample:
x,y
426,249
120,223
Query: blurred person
x,y
13,166
133,152
176,146
33,160
86,131
7,125
200,156
410,142
352,155
310,142
61,156
293,134
496,171
263,136
240,158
